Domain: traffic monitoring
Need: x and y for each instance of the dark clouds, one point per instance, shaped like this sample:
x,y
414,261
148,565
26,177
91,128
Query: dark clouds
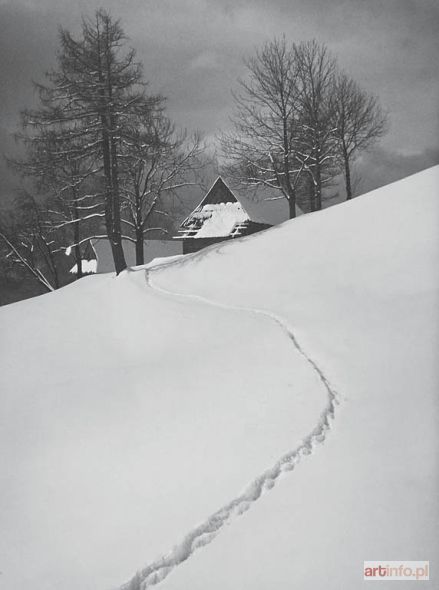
x,y
382,166
192,51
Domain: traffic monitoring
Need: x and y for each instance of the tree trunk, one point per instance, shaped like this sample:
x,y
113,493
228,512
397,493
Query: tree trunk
x,y
347,174
292,207
78,256
140,258
116,235
291,197
54,269
112,199
112,203
311,191
318,187
118,253
291,190
139,225
77,239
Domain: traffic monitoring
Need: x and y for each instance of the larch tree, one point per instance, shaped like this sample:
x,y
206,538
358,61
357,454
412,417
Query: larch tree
x,y
88,100
359,122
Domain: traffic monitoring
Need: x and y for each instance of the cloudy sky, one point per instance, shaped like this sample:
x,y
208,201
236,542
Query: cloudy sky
x,y
192,52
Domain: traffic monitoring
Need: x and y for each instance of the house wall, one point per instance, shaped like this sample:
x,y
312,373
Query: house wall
x,y
152,249
195,244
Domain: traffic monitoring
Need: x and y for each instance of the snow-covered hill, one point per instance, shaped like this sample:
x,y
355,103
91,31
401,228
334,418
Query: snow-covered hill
x,y
148,411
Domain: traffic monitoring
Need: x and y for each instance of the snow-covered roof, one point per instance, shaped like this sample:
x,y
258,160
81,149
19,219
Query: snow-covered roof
x,y
220,214
214,221
88,267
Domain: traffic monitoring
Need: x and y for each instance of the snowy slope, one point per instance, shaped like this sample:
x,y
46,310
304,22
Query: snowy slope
x,y
359,283
127,417
147,411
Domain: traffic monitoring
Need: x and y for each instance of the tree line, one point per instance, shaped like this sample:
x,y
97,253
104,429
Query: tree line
x,y
299,122
103,159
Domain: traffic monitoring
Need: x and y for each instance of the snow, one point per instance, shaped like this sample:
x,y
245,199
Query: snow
x,y
159,407
217,220
160,260
131,404
359,283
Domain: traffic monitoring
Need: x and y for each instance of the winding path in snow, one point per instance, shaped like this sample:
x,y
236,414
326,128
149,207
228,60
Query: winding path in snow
x,y
204,533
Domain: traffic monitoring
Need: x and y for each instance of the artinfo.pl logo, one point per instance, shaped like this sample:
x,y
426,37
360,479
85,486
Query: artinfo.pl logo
x,y
396,570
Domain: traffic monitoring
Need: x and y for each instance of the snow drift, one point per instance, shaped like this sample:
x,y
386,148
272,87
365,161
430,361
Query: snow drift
x,y
134,412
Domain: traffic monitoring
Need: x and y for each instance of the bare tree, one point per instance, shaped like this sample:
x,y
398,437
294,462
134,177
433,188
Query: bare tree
x,y
158,162
316,69
29,243
359,122
284,136
92,95
62,169
263,149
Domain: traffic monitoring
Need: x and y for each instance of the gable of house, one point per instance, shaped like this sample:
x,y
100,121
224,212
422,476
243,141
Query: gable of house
x,y
219,216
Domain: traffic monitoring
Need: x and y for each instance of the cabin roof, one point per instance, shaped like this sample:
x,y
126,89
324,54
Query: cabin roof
x,y
220,214
219,192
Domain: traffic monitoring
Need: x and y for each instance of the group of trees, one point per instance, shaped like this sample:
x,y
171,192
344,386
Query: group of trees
x,y
299,122
102,158
100,154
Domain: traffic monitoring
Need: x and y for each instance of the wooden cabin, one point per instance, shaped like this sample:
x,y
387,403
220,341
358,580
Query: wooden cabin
x,y
220,216
98,257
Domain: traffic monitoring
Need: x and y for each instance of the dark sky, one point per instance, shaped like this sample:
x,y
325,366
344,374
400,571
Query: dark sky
x,y
192,52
